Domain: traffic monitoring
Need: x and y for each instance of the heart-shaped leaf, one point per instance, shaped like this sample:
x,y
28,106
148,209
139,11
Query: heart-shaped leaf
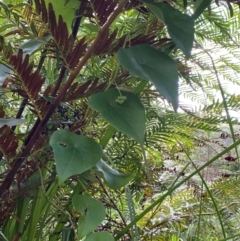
x,y
124,111
113,178
152,64
92,213
102,236
73,153
180,26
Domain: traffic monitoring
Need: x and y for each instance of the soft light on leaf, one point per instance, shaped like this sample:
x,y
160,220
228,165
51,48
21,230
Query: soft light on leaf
x,y
74,154
92,28
152,64
92,213
113,178
180,26
65,8
124,111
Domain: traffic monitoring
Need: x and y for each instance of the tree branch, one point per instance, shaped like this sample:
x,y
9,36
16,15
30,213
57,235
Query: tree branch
x,y
26,151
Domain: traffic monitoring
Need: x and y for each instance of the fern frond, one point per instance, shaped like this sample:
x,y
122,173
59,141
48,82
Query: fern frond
x,y
102,10
59,31
8,143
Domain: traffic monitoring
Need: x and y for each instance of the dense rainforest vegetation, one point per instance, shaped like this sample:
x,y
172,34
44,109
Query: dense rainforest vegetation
x,y
119,120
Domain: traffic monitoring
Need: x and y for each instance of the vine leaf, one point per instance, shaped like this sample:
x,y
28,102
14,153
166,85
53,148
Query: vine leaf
x,y
92,214
152,64
113,178
102,236
123,110
180,26
66,10
200,6
74,154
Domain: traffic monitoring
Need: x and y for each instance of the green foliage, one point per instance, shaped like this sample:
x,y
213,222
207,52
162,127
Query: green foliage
x,y
180,26
151,64
66,9
99,236
92,214
90,148
200,6
113,178
33,45
121,108
67,234
73,154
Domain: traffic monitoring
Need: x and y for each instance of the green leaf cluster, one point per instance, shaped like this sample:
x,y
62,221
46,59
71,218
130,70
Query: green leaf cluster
x,y
98,139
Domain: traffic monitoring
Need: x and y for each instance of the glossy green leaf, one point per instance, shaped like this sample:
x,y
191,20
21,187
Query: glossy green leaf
x,y
113,178
4,73
200,6
92,213
124,111
152,64
68,234
65,8
74,154
11,122
180,26
102,236
92,28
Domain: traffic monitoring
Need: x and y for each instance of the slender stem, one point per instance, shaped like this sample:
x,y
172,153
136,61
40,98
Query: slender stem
x,y
26,151
59,80
172,189
25,100
52,203
41,61
32,131
20,111
210,195
17,237
224,101
74,34
111,200
200,214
